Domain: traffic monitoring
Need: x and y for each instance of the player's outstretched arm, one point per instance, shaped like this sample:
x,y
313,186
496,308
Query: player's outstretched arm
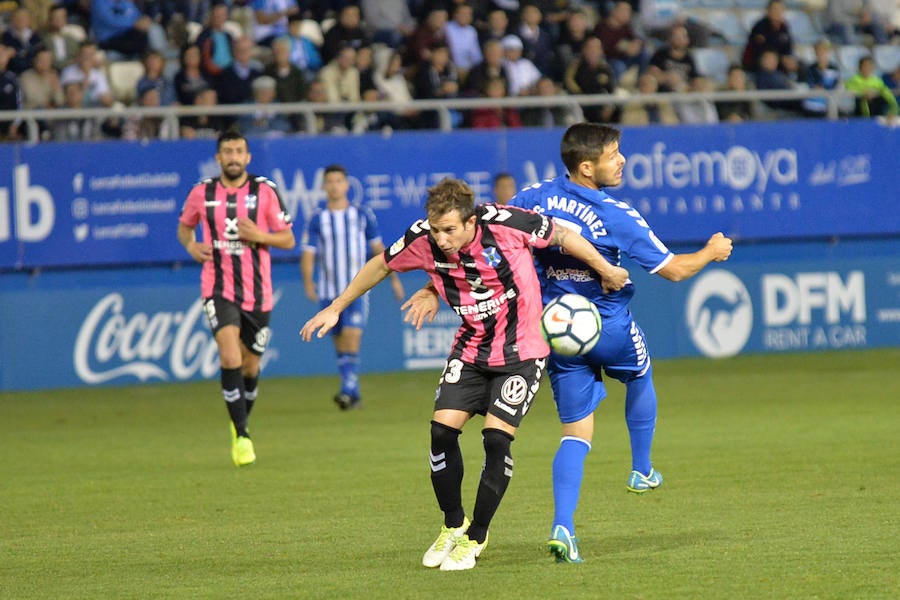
x,y
612,278
372,273
685,266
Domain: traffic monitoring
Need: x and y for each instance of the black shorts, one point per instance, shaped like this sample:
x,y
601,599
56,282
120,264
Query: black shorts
x,y
505,392
254,324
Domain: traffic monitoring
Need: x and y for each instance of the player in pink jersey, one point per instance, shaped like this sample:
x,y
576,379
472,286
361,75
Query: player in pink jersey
x,y
479,261
241,216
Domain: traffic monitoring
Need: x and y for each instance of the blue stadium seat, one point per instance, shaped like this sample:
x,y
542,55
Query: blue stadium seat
x,y
728,24
712,63
803,29
887,57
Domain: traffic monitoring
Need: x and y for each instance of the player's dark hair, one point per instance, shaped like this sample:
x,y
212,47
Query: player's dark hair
x,y
585,141
335,168
448,195
503,175
229,135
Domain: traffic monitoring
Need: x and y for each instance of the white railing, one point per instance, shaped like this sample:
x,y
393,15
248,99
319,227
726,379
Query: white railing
x,y
838,102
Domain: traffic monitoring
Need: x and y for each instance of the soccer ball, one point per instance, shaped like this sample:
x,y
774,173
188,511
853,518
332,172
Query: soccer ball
x,y
571,324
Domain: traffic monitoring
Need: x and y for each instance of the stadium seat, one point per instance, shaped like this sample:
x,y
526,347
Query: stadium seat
x,y
193,31
749,17
712,63
754,4
123,79
806,53
328,23
311,30
887,57
803,30
848,59
74,31
728,24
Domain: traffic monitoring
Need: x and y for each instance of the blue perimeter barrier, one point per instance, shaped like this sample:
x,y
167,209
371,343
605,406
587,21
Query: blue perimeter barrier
x,y
121,324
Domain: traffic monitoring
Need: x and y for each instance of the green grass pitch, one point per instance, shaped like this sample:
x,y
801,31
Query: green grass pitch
x,y
782,476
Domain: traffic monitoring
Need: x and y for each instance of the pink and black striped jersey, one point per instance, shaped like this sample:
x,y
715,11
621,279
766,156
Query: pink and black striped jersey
x,y
491,283
239,271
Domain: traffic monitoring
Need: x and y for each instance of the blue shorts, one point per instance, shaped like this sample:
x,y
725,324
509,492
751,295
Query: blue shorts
x,y
577,381
356,315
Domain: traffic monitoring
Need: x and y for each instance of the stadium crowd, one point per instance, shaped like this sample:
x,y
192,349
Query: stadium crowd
x,y
110,53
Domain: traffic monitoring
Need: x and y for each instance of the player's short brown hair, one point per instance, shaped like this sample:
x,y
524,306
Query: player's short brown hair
x,y
449,195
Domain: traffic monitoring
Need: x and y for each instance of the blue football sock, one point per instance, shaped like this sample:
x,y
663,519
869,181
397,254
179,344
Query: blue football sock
x,y
348,367
640,416
568,469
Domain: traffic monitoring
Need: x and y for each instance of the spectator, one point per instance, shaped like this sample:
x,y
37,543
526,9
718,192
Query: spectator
x,y
624,48
522,73
437,79
873,97
494,117
365,64
189,80
428,33
119,26
537,41
74,129
771,32
137,127
648,113
591,74
547,116
496,27
882,23
340,80
697,110
658,17
673,66
823,74
10,95
462,38
63,47
271,18
846,20
40,84
303,52
348,31
736,111
234,86
22,40
203,126
86,71
267,120
291,84
393,86
892,81
770,77
154,64
571,39
215,44
389,20
491,67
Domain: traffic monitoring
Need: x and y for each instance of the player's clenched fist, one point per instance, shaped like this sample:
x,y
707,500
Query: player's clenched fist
x,y
720,246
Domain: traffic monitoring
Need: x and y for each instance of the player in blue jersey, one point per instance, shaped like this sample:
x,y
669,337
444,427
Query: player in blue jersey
x,y
591,155
338,241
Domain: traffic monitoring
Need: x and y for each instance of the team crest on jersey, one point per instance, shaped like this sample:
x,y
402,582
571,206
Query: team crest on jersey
x,y
250,201
491,256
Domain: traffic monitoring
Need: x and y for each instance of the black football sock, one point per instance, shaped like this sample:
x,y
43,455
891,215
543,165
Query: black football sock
x,y
250,387
498,469
233,391
447,472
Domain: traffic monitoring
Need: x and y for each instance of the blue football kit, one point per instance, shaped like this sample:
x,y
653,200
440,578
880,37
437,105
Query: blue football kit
x,y
613,227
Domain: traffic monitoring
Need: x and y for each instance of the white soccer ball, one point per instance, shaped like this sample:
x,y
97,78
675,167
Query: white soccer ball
x,y
571,324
